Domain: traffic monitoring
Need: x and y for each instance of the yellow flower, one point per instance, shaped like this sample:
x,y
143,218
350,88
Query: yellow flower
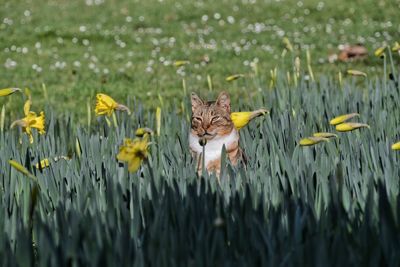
x,y
380,51
241,119
313,140
287,43
396,47
350,126
180,63
325,135
105,105
234,77
43,164
8,91
140,132
134,152
396,146
30,121
343,118
356,73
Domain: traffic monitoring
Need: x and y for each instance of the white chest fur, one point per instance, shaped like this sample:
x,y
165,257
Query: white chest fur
x,y
213,148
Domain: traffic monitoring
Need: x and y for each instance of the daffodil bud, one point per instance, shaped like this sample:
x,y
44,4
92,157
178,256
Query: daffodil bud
x,y
343,118
350,126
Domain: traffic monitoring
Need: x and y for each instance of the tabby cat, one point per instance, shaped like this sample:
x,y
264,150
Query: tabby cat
x,y
213,128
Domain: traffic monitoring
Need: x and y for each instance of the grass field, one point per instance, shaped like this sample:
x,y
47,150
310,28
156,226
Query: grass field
x,y
127,48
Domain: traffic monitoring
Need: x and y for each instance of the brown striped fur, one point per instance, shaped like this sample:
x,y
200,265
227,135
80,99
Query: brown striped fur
x,y
211,122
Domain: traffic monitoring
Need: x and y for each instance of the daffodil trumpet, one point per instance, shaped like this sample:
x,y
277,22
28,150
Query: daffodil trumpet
x,y
105,105
241,119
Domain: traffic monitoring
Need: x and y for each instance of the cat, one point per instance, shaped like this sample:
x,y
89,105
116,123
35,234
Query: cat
x,y
212,127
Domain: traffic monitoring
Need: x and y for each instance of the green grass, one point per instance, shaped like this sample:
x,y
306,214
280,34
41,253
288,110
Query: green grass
x,y
57,34
336,203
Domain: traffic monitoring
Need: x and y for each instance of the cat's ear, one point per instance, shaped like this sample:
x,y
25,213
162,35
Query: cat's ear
x,y
224,101
196,101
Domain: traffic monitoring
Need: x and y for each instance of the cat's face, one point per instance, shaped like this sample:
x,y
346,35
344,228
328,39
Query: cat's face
x,y
210,119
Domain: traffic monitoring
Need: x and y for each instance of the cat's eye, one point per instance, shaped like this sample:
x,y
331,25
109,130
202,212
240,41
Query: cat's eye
x,y
215,119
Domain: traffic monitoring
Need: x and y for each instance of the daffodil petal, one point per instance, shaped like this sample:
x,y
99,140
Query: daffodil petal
x,y
134,164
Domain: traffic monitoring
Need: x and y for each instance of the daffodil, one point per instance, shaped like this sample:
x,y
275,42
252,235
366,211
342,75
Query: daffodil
x,y
105,105
380,51
343,118
30,121
356,73
143,131
287,43
8,91
325,135
396,47
180,63
241,119
234,77
396,146
313,140
350,126
44,163
134,152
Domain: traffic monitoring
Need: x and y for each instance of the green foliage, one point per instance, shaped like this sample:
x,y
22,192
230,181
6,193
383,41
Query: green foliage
x,y
333,204
127,48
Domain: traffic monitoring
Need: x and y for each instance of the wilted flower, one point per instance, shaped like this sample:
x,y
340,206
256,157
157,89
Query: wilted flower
x,y
313,140
134,152
241,119
343,118
105,105
30,121
350,126
8,91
